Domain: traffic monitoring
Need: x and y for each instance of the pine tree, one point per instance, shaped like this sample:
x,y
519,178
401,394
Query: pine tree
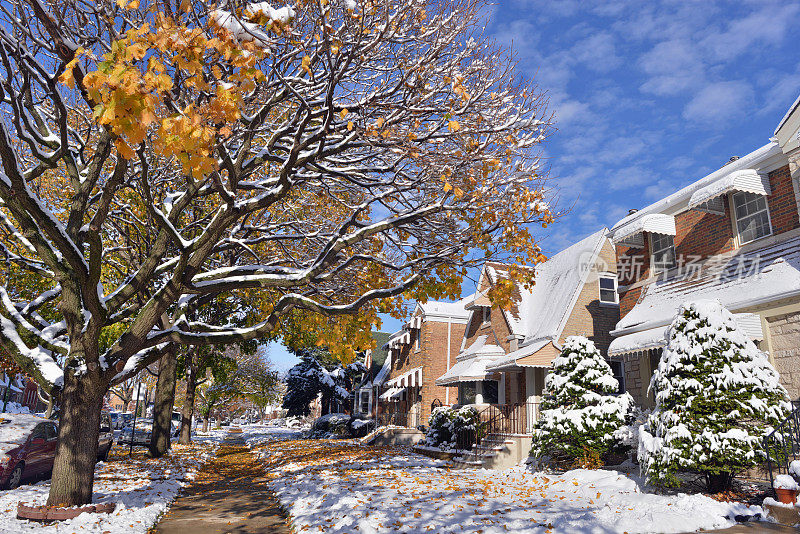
x,y
581,411
716,396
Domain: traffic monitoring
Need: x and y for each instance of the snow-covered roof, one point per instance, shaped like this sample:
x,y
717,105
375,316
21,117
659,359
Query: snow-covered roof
x,y
433,310
788,114
511,360
654,223
758,273
391,393
543,310
672,203
655,338
472,362
747,180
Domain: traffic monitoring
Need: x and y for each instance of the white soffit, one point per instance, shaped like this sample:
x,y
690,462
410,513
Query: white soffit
x,y
746,180
655,223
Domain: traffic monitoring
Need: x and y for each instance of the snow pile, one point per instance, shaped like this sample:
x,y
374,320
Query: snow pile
x,y
785,482
143,488
15,407
716,397
343,487
581,415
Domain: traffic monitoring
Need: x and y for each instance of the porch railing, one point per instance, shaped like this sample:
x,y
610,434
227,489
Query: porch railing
x,y
501,421
782,445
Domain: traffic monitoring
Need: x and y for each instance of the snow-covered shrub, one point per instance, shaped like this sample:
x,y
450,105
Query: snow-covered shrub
x,y
332,424
716,397
785,482
581,412
447,423
361,427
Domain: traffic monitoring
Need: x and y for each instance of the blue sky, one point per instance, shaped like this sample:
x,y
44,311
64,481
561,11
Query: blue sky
x,y
647,96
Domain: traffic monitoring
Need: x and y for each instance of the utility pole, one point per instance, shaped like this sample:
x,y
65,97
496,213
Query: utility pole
x,y
135,411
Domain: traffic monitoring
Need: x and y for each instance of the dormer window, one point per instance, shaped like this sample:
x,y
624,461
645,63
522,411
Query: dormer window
x,y
662,248
752,216
608,289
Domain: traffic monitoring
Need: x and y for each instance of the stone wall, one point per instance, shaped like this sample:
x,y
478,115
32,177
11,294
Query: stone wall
x,y
785,340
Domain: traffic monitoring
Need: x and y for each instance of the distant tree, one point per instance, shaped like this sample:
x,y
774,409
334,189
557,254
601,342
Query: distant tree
x,y
716,397
310,378
581,409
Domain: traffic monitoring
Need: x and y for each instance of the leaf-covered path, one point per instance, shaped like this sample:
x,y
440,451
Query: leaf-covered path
x,y
229,495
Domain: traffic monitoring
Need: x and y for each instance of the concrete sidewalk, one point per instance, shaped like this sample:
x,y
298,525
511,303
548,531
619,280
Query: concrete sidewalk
x,y
229,495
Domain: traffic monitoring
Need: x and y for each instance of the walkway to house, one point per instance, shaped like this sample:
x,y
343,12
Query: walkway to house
x,y
229,495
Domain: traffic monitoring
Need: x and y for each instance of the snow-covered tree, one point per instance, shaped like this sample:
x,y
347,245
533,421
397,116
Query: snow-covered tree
x,y
716,397
309,378
581,410
312,159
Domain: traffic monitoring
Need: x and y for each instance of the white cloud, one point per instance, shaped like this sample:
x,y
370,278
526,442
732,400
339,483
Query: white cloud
x,y
765,27
597,52
673,67
719,102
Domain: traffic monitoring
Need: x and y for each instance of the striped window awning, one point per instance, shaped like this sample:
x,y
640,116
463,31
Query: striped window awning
x,y
745,180
631,233
411,378
655,338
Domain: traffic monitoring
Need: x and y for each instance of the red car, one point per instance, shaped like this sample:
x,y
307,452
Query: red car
x,y
27,447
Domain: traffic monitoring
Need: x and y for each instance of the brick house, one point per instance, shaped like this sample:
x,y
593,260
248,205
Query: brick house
x,y
733,235
424,349
505,353
378,365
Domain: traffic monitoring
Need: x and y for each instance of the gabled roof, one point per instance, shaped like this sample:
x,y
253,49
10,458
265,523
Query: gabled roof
x,y
748,277
543,310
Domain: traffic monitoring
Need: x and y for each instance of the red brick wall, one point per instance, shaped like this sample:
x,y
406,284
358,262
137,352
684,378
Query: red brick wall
x,y
700,234
703,234
434,362
782,203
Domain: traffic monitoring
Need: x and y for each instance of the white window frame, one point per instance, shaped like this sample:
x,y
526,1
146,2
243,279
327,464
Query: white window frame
x,y
486,315
658,268
417,339
600,288
735,218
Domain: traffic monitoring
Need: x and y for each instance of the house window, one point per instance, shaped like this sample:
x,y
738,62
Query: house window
x,y
619,374
608,289
467,392
487,314
663,247
752,216
417,338
489,391
364,407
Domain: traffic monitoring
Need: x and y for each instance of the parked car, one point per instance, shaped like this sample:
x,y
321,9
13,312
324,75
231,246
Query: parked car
x,y
140,435
126,419
27,447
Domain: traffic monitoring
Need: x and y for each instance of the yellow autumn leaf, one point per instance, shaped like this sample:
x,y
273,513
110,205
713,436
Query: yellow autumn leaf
x,y
344,113
350,126
447,187
306,64
453,126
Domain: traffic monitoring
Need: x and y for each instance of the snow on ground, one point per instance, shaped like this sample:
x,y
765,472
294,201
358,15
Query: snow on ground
x,y
342,486
142,487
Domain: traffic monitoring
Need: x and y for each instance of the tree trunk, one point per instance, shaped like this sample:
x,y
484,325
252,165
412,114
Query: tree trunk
x,y
163,404
125,405
76,452
205,424
188,403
